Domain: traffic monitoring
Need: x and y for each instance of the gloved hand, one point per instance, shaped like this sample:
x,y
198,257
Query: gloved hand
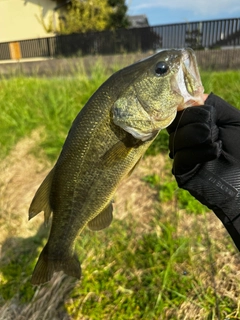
x,y
205,145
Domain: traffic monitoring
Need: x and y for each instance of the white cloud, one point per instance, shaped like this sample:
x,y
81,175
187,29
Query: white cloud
x,y
201,7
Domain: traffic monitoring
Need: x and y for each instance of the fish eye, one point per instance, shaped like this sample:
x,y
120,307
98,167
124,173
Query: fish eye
x,y
161,68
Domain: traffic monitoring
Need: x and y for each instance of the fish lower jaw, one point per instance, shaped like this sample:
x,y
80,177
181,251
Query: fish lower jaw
x,y
140,135
192,101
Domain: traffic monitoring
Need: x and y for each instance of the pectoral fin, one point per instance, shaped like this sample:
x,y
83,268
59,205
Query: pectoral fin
x,y
103,220
40,201
117,153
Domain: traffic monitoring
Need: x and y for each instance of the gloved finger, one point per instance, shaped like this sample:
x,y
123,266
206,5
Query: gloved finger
x,y
192,135
191,115
187,159
226,114
228,121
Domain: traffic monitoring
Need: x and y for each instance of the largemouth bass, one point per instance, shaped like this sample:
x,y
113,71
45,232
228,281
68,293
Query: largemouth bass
x,y
106,141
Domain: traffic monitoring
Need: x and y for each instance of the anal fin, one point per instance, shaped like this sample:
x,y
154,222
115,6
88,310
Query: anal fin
x,y
102,220
40,201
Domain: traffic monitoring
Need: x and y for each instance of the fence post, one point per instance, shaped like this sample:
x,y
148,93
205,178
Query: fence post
x,y
49,46
15,50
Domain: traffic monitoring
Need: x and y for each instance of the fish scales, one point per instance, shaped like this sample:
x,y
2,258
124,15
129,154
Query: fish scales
x,y
105,142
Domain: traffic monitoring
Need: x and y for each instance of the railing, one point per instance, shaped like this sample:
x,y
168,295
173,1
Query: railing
x,y
198,35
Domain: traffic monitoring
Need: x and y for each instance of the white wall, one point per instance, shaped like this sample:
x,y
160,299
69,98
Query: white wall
x,y
18,19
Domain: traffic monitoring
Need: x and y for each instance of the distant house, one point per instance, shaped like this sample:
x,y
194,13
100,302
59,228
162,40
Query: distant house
x,y
138,21
29,19
25,19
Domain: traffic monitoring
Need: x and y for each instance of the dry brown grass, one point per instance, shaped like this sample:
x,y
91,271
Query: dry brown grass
x,y
46,304
20,175
212,263
134,197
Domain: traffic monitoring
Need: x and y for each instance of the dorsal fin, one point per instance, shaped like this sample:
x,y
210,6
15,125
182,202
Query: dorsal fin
x,y
102,220
40,201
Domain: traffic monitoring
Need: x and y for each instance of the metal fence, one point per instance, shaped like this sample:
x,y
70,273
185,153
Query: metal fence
x,y
198,35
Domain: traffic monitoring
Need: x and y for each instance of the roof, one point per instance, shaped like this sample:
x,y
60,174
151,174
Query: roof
x,y
138,21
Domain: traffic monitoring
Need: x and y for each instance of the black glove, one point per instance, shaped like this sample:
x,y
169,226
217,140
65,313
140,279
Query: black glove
x,y
205,145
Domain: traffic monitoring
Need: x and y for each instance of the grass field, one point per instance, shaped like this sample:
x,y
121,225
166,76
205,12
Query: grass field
x,y
165,256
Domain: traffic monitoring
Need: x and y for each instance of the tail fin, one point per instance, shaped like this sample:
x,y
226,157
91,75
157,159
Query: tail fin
x,y
45,267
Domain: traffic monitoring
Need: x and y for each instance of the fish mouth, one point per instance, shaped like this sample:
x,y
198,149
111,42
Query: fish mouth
x,y
188,83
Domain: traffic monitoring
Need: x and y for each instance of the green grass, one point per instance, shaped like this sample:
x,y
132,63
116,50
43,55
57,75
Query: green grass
x,y
137,288
53,103
224,84
169,192
127,273
49,103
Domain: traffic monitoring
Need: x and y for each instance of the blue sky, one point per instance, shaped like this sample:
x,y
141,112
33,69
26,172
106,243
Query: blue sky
x,y
174,11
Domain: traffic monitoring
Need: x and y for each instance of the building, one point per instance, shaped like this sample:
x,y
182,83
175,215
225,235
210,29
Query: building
x,y
30,19
138,21
26,19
